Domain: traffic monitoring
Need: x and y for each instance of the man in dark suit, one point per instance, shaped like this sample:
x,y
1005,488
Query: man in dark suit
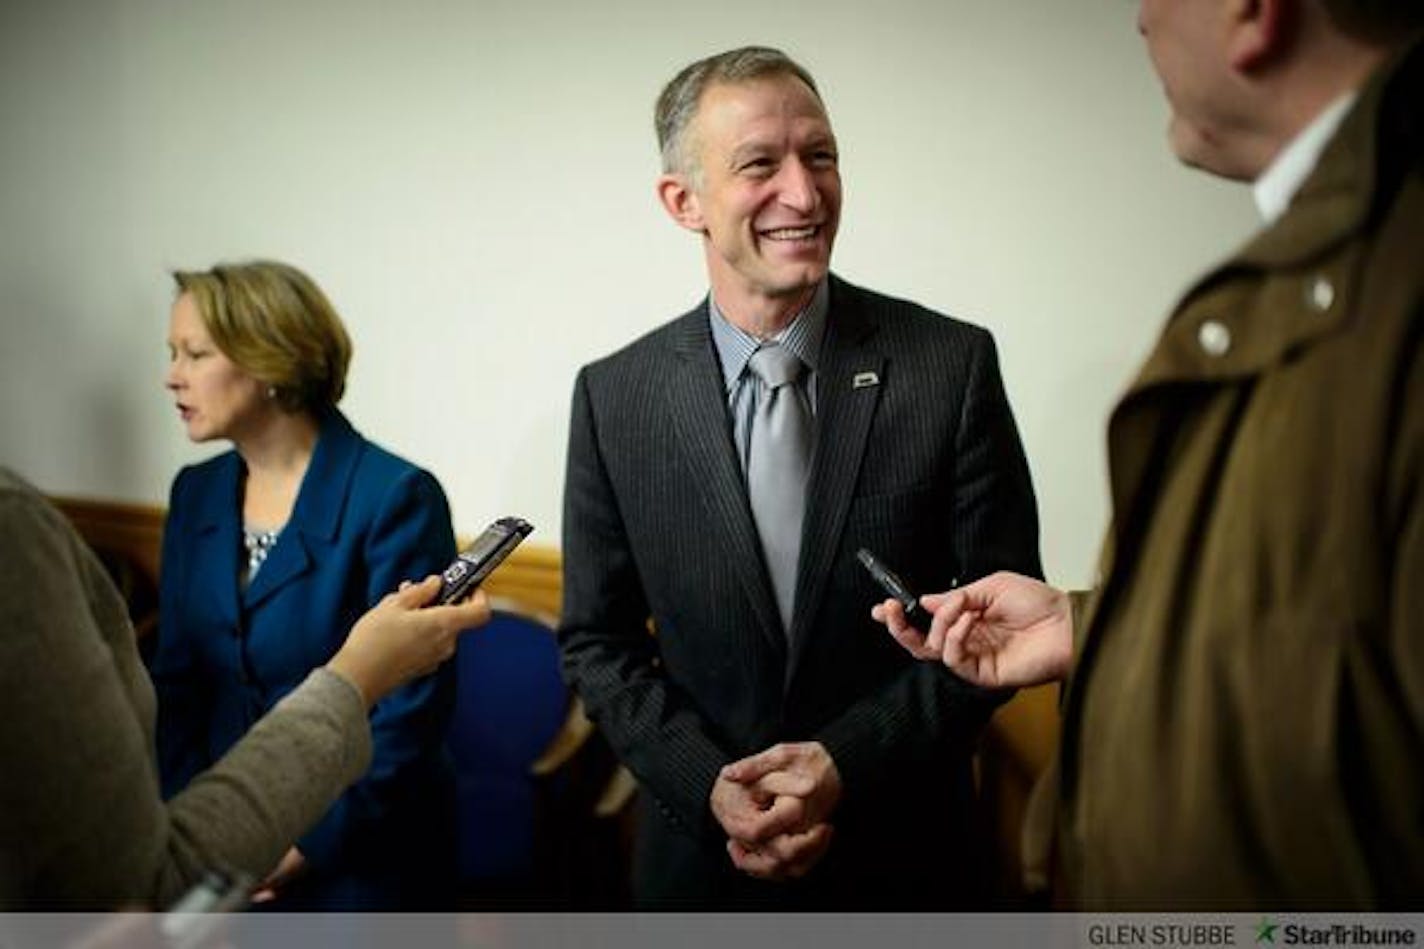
x,y
785,748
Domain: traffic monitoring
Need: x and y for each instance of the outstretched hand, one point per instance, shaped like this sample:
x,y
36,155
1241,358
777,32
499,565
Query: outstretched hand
x,y
1005,630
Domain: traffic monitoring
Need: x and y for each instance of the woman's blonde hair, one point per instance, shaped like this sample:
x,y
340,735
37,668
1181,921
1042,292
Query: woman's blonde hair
x,y
274,322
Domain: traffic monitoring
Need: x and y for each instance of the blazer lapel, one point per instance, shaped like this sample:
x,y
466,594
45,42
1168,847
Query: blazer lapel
x,y
316,517
287,561
846,399
698,404
218,539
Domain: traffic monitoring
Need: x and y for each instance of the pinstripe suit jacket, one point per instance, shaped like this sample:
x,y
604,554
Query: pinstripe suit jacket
x,y
924,467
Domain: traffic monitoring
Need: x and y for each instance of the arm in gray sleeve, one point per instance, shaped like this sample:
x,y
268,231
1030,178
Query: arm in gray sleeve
x,y
82,825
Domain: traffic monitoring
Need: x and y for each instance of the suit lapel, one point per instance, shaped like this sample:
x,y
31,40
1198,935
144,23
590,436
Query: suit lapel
x,y
698,405
316,517
845,406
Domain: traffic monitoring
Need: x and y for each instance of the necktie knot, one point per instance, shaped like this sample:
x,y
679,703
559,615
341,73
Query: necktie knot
x,y
776,365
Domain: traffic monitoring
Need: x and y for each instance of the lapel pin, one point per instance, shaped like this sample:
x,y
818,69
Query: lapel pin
x,y
863,380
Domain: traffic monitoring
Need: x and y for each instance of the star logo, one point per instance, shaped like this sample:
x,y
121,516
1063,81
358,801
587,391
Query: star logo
x,y
1266,932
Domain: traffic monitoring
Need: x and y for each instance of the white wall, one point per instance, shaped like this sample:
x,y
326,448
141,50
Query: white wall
x,y
472,185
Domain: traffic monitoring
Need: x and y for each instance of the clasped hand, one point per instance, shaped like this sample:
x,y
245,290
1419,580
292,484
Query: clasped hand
x,y
775,807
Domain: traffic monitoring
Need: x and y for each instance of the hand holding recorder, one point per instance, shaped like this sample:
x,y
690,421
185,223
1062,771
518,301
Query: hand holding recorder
x,y
410,632
1005,630
912,612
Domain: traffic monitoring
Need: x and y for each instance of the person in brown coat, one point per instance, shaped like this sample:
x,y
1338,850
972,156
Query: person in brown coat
x,y
1243,721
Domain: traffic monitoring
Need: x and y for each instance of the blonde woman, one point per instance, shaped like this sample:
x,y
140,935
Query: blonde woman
x,y
272,549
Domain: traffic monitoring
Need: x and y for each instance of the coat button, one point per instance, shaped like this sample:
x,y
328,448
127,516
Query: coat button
x,y
1320,294
1214,337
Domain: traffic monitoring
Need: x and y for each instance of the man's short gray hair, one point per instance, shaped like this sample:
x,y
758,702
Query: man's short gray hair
x,y
677,105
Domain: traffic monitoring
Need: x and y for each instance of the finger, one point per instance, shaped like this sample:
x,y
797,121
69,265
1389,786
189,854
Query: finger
x,y
753,862
735,807
956,653
787,815
741,854
791,854
975,596
458,617
413,595
792,847
740,824
812,845
752,826
948,608
911,639
971,596
473,612
754,767
933,601
786,783
791,821
265,895
889,612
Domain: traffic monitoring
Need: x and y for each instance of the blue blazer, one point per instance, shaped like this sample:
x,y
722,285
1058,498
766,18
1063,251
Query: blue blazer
x,y
364,520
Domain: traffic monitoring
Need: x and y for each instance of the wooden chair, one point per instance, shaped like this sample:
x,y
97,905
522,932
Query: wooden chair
x,y
1013,753
127,538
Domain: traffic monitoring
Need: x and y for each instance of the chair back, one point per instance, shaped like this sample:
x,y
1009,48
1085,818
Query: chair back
x,y
510,704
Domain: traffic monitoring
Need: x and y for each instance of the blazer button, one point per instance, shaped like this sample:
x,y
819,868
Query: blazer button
x,y
1214,337
1320,294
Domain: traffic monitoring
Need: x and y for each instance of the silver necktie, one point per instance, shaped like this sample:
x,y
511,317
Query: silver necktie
x,y
778,461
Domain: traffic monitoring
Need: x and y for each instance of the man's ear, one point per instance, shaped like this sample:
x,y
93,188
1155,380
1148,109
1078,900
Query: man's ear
x,y
1257,31
680,201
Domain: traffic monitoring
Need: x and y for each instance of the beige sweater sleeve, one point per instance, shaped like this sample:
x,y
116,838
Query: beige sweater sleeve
x,y
82,824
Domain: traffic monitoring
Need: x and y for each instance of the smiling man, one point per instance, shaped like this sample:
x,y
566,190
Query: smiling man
x,y
723,470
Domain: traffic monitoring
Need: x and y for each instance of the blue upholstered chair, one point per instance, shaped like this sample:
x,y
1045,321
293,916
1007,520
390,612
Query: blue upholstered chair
x,y
511,704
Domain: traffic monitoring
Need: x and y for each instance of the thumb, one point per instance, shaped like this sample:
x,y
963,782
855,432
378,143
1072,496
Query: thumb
x,y
934,602
414,595
754,767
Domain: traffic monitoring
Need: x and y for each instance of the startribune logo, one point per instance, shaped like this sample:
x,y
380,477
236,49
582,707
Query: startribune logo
x,y
1333,934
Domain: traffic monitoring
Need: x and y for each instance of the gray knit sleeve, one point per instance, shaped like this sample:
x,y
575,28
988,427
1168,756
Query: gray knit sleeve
x,y
82,824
